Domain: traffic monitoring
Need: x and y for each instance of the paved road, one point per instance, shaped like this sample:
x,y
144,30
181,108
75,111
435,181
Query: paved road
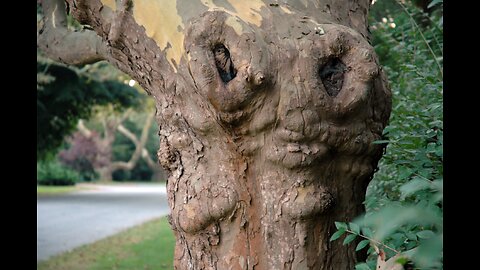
x,y
71,220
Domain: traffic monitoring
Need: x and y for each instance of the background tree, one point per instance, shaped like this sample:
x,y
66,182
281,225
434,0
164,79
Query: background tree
x,y
267,113
101,159
110,146
147,168
67,94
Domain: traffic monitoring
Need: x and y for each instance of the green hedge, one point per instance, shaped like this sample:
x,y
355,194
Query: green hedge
x,y
52,173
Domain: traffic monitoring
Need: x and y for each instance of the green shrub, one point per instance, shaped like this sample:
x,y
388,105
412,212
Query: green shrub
x,y
52,173
404,201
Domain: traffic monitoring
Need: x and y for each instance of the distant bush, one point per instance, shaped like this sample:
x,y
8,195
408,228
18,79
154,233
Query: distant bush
x,y
82,155
54,174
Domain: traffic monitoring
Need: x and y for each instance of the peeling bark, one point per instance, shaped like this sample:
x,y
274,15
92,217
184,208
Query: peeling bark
x,y
267,113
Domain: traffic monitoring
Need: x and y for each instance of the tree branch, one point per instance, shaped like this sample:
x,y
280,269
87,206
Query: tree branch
x,y
83,129
151,164
61,44
112,124
127,133
124,116
139,145
106,132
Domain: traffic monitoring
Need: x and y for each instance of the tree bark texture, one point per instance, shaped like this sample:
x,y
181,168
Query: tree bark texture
x,y
267,113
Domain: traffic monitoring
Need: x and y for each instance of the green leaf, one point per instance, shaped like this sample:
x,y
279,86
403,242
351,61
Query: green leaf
x,y
349,238
415,185
387,220
438,184
411,245
411,236
341,225
362,266
380,142
362,244
354,228
404,172
367,232
402,260
434,3
337,235
425,234
429,253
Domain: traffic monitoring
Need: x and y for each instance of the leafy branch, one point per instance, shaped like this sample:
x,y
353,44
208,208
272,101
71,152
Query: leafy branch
x,y
354,231
423,37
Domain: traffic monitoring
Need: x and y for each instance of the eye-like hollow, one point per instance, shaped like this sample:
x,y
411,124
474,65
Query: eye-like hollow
x,y
332,74
224,63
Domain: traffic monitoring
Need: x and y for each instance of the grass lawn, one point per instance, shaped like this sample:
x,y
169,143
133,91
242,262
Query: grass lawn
x,y
52,190
147,246
126,183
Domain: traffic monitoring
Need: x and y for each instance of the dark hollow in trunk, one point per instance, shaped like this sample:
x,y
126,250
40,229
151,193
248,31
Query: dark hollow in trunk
x,y
224,63
332,75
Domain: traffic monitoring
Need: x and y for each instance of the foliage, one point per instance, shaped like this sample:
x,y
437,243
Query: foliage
x,y
404,201
52,173
66,94
415,131
81,156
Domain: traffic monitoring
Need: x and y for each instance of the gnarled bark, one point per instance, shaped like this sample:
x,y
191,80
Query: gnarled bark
x,y
267,113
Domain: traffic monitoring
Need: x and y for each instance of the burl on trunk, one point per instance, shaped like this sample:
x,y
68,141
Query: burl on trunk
x,y
267,113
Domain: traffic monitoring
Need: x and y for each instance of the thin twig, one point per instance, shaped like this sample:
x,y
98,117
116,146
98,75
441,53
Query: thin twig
x,y
423,177
375,241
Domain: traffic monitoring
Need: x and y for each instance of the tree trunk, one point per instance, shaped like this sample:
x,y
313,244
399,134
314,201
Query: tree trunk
x,y
267,113
105,174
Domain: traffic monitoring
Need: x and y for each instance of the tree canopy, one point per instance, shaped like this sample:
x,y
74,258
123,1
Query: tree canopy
x,y
66,94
